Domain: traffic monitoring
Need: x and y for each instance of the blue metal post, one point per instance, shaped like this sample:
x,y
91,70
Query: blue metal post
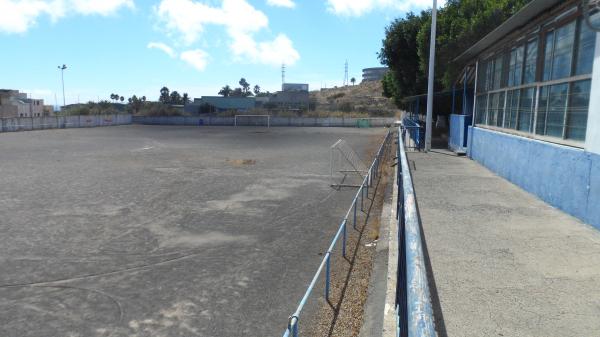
x,y
354,214
453,98
344,240
465,95
362,194
327,276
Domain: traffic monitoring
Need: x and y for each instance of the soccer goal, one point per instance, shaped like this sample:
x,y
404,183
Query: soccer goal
x,y
252,120
346,167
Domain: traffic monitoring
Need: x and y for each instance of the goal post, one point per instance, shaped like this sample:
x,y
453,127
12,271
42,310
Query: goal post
x,y
252,120
346,167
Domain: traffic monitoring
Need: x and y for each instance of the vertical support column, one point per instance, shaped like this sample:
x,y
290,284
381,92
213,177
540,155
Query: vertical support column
x,y
592,139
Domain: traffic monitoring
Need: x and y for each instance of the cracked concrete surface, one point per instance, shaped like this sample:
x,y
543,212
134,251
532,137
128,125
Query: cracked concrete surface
x,y
504,262
151,231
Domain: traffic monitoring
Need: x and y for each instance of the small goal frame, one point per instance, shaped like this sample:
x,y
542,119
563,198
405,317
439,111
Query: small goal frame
x,y
235,119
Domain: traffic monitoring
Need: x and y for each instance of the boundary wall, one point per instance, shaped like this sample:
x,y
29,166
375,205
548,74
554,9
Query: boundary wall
x,y
61,122
275,121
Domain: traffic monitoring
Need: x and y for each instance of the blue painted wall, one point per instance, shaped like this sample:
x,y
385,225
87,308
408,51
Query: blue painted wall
x,y
459,125
565,177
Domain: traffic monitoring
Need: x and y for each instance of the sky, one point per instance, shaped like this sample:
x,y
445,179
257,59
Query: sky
x,y
136,47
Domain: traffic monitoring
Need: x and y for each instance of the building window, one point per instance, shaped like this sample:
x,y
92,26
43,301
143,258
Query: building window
x,y
515,72
562,89
577,110
512,109
525,112
530,62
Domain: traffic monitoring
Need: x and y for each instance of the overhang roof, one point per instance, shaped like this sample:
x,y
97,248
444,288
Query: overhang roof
x,y
521,18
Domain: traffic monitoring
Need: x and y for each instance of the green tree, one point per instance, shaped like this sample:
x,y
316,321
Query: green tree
x,y
461,23
353,80
245,87
225,91
164,96
185,99
237,92
175,97
121,99
257,90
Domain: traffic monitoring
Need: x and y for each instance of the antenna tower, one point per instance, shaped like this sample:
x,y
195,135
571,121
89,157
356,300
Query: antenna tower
x,y
282,75
346,74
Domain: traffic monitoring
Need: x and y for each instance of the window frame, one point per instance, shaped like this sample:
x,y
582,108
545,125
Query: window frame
x,y
540,33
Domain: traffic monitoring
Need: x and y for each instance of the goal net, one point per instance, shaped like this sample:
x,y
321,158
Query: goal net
x,y
252,120
346,167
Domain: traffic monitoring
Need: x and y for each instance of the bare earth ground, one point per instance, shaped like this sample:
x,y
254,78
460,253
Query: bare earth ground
x,y
164,231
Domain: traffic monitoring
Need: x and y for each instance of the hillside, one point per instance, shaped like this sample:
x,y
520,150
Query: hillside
x,y
365,97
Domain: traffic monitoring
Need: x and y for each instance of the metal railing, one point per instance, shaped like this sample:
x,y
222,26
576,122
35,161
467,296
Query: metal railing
x,y
373,172
415,133
413,300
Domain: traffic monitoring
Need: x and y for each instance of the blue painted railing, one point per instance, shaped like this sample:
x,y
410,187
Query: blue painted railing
x,y
415,132
413,300
373,173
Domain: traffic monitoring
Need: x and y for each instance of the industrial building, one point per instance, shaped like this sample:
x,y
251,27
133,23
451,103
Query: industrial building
x,y
528,112
374,74
16,104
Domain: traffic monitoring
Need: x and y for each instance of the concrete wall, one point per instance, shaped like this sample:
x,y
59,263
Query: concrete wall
x,y
275,121
565,177
459,126
61,122
592,139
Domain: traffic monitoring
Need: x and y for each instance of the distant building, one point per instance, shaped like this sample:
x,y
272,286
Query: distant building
x,y
295,87
16,104
209,104
374,74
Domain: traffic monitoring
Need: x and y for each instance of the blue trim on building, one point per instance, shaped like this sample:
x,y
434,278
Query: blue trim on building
x,y
564,177
459,125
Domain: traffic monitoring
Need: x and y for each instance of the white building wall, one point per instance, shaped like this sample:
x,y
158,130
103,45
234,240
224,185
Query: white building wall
x,y
592,140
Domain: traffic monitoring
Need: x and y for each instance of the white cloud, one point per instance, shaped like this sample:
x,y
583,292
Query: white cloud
x,y
281,3
360,7
102,7
196,58
17,16
161,46
241,21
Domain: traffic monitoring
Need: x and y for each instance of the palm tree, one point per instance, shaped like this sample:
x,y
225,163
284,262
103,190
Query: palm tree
x,y
225,91
353,80
256,89
121,99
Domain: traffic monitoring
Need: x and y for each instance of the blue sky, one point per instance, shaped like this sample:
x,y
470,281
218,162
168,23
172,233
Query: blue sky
x,y
136,47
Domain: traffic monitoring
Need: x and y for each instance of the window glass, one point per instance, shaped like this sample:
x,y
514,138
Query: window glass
x,y
586,47
540,128
525,110
578,110
493,109
480,112
530,62
489,75
551,110
563,51
548,56
513,109
515,73
498,65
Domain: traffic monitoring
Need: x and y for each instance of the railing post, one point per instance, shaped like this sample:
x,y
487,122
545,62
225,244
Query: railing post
x,y
344,239
327,276
362,193
354,224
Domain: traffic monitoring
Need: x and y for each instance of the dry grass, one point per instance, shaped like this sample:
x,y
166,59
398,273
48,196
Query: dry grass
x,y
241,162
342,315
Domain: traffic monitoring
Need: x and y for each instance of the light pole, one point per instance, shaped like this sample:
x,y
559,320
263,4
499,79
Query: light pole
x,y
428,122
62,76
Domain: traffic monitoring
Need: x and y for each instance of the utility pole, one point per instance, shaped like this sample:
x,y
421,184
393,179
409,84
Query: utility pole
x,y
428,121
62,76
